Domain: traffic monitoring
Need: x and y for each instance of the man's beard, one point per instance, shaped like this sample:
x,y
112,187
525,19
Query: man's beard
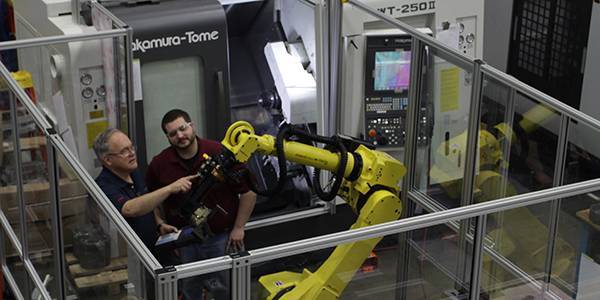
x,y
182,147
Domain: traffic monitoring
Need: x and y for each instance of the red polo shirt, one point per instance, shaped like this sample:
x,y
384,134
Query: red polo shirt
x,y
167,167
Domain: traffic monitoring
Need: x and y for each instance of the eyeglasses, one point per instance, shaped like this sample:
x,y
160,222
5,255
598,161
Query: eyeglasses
x,y
124,152
181,128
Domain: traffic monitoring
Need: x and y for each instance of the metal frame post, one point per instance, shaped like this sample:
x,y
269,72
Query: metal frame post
x,y
334,46
414,104
322,73
166,283
131,113
509,115
472,134
334,14
470,163
2,248
561,155
477,259
322,51
410,154
56,220
240,275
19,183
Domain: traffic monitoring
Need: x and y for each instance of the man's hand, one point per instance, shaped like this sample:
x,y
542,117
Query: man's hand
x,y
166,228
182,185
236,240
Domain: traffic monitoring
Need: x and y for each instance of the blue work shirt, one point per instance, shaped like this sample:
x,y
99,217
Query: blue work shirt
x,y
120,191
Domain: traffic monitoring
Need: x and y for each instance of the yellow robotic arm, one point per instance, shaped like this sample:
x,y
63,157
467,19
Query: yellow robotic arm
x,y
370,186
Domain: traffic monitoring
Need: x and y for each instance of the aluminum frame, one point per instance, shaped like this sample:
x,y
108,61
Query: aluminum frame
x,y
57,229
553,103
106,206
277,252
14,287
470,164
418,222
334,11
477,257
166,279
240,276
216,264
14,117
403,225
166,283
410,157
55,144
421,198
561,154
51,40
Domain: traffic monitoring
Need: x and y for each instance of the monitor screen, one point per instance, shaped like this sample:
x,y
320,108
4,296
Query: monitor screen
x,y
392,70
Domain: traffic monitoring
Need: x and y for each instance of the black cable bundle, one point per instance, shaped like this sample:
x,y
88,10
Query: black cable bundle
x,y
333,144
339,174
281,136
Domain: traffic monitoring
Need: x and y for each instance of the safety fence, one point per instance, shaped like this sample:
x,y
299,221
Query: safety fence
x,y
49,201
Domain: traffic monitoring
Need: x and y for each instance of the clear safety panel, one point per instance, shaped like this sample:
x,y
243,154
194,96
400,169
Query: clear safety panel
x,y
99,262
38,199
80,89
518,263
577,221
438,264
212,285
428,263
9,199
447,90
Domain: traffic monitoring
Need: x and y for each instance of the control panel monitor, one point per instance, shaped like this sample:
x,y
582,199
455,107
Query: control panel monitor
x,y
392,70
386,89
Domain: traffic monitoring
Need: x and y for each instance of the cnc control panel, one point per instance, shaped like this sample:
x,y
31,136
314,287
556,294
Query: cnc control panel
x,y
385,118
386,89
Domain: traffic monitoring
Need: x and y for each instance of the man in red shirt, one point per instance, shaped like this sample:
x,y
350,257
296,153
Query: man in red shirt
x,y
235,201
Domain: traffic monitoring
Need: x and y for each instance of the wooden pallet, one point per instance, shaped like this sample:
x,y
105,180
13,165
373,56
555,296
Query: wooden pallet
x,y
111,276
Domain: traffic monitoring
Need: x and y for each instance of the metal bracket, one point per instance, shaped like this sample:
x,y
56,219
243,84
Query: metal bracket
x,y
166,283
240,275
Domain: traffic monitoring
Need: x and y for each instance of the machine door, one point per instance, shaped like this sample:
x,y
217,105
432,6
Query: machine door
x,y
548,43
181,50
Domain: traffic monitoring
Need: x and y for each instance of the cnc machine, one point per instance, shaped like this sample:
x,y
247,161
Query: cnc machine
x,y
375,105
69,78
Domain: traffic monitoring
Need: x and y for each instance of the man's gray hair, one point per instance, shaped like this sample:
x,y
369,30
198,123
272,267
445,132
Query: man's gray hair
x,y
101,142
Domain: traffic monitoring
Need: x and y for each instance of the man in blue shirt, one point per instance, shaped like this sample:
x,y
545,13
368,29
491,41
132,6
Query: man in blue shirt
x,y
124,185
